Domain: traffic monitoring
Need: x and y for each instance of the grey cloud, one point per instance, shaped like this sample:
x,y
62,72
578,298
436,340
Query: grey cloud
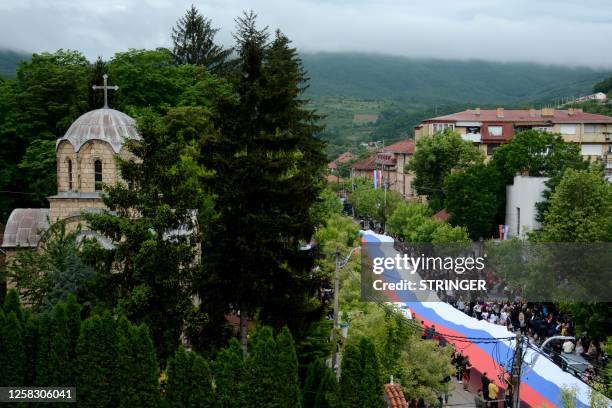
x,y
546,31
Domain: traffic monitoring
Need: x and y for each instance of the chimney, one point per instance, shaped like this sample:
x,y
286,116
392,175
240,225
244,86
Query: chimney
x,y
477,111
500,113
532,112
548,111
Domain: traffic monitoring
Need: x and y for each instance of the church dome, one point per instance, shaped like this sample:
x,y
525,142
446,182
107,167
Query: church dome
x,y
104,124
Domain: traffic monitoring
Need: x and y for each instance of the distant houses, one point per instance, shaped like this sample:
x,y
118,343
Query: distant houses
x,y
489,128
391,161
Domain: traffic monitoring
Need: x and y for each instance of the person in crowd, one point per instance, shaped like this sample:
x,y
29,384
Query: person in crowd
x,y
522,323
579,348
493,391
459,366
478,311
467,368
485,385
568,346
479,400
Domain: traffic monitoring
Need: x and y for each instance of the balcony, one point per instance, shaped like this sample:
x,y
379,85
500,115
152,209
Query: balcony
x,y
471,137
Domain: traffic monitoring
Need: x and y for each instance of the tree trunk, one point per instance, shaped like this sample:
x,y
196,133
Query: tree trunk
x,y
244,330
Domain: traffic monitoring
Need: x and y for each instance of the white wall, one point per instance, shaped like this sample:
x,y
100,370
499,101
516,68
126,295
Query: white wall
x,y
523,195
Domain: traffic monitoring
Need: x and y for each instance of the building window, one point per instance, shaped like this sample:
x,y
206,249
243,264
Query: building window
x,y
98,175
518,220
491,148
569,129
546,129
590,128
495,130
69,175
441,127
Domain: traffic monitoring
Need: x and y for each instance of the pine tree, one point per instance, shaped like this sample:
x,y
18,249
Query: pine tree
x,y
73,314
288,382
12,304
179,375
137,369
12,353
31,339
43,367
350,380
261,381
229,375
96,362
202,394
193,38
59,356
327,393
311,383
371,388
269,171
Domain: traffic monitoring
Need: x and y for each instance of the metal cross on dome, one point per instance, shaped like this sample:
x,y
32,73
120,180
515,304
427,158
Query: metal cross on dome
x,y
105,87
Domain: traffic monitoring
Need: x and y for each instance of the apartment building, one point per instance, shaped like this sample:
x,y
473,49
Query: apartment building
x,y
489,128
391,161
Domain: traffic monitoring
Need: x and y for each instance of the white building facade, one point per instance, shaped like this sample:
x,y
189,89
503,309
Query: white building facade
x,y
521,199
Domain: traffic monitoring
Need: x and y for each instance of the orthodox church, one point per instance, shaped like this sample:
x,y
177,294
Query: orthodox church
x,y
85,159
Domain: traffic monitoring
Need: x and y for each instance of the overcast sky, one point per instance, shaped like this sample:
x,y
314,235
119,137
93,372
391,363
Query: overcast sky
x,y
565,32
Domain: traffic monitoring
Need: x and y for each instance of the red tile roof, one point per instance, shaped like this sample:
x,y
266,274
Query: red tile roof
x,y
523,115
395,396
366,164
403,146
343,158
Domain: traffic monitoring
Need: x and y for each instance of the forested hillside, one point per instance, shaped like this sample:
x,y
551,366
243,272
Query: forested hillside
x,y
9,60
429,81
400,92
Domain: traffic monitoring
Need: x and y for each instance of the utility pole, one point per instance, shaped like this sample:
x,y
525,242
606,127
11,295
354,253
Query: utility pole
x,y
336,312
515,377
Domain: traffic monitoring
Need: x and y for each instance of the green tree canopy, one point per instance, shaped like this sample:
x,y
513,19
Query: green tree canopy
x,y
472,199
580,209
194,43
434,159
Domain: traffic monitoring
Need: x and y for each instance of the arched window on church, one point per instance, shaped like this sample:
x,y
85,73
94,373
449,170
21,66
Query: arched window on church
x,y
69,175
98,174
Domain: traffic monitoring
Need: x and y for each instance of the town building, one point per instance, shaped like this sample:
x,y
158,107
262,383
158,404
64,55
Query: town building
x,y
598,96
333,167
489,128
521,199
391,161
85,159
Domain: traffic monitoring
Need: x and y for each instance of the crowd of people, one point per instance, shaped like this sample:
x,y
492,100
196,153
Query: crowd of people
x,y
540,322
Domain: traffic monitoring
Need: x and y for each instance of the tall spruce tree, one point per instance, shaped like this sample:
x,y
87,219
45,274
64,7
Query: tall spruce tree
x,y
327,392
361,383
73,316
137,372
268,170
261,380
31,339
12,304
229,373
43,367
178,388
288,387
320,387
202,393
350,381
60,363
12,353
371,389
194,43
96,362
